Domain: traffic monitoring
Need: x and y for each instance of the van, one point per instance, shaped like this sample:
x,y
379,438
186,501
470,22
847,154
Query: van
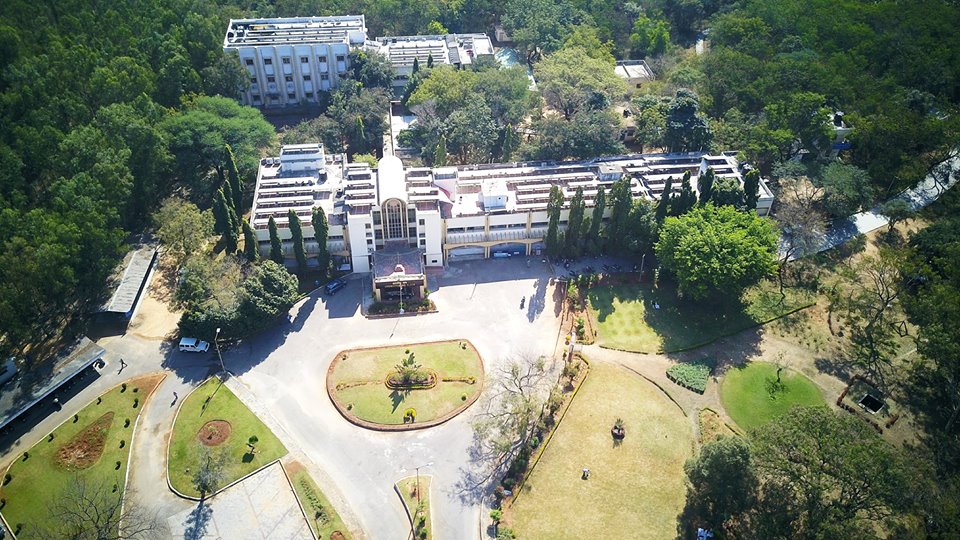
x,y
189,344
334,286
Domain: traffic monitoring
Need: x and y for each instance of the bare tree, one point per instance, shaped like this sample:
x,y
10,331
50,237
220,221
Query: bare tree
x,y
210,473
89,510
512,410
803,231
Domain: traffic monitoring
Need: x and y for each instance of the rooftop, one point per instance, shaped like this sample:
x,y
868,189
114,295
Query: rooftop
x,y
133,280
398,262
634,69
348,29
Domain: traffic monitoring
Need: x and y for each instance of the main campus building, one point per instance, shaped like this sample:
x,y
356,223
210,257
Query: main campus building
x,y
394,221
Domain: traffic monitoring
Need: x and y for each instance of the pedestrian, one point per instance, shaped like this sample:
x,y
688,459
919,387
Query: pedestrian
x,y
56,402
586,473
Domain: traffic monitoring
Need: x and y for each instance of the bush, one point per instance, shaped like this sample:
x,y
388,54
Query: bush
x,y
693,376
496,515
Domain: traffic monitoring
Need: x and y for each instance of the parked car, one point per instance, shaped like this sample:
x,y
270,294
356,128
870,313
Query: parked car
x,y
334,286
189,344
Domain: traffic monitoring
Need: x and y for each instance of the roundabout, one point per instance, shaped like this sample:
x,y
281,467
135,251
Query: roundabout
x,y
405,387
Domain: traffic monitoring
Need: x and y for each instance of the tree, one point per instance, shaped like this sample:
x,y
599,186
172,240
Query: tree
x,y
650,116
510,143
296,235
588,134
538,27
321,231
270,291
621,201
440,154
867,302
471,132
594,239
573,237
369,159
705,185
182,228
686,199
832,474
687,127
276,245
251,248
571,81
236,183
727,192
90,510
717,250
896,210
722,487
210,471
663,204
806,116
371,69
361,115
640,233
650,37
751,189
555,204
846,188
587,38
803,229
225,220
511,411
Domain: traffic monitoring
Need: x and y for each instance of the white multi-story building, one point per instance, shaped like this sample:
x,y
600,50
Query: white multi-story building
x,y
289,61
449,213
452,49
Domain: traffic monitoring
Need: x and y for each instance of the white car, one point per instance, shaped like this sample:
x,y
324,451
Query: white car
x,y
189,344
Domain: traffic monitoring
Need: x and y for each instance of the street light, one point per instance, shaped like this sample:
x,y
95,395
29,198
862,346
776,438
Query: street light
x,y
418,482
217,345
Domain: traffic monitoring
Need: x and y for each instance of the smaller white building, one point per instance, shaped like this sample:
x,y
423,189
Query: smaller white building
x,y
452,49
634,72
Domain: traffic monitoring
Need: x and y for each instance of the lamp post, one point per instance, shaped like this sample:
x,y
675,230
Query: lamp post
x,y
418,482
216,344
643,259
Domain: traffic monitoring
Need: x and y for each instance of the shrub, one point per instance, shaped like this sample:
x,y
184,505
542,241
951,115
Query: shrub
x,y
571,369
496,515
693,376
126,422
506,534
463,397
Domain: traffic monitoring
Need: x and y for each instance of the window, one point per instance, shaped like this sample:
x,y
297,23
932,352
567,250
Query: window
x,y
422,223
249,61
268,61
304,60
309,95
253,80
291,96
285,59
340,58
306,78
366,225
288,78
369,242
256,97
324,77
322,59
271,78
393,214
423,242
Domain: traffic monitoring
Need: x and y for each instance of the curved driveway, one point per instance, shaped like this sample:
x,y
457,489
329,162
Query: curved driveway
x,y
284,372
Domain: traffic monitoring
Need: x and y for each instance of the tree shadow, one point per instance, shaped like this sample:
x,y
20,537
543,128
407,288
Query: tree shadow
x,y
840,368
198,521
247,457
538,300
397,397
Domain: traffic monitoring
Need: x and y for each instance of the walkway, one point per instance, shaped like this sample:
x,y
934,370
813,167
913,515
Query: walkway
x,y
943,177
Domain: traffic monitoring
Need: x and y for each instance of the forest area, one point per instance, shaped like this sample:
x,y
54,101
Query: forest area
x,y
119,117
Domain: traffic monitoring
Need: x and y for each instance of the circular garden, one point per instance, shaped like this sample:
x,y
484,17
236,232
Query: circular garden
x,y
405,386
758,392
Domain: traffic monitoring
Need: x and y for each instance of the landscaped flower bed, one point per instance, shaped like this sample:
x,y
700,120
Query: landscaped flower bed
x,y
692,376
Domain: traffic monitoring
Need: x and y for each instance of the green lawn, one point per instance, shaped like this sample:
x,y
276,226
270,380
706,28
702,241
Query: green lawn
x,y
407,488
627,317
752,398
186,449
323,518
37,482
635,490
374,402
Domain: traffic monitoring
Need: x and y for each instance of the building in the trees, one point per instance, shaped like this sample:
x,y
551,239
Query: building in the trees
x,y
447,213
291,60
452,49
634,73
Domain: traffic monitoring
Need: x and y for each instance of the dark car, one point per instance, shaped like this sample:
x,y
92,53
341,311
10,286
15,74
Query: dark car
x,y
334,286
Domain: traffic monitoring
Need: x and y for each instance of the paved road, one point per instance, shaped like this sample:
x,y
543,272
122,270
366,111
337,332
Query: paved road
x,y
285,369
942,178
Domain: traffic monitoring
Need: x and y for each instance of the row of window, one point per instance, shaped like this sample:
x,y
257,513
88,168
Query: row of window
x,y
303,60
289,78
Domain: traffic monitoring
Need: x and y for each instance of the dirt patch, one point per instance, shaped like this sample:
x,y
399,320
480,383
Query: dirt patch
x,y
157,318
337,535
712,426
214,432
86,447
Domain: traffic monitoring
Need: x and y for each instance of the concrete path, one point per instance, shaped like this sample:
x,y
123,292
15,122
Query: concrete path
x,y
943,177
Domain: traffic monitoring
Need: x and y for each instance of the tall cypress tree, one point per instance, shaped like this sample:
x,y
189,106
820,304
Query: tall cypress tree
x,y
233,175
430,60
225,221
552,240
705,185
227,189
510,143
321,231
296,233
416,64
574,224
276,245
594,239
663,206
621,200
686,200
440,153
251,248
751,189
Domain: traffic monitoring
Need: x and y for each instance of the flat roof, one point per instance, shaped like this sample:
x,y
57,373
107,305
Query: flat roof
x,y
634,69
295,31
387,263
19,394
133,280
